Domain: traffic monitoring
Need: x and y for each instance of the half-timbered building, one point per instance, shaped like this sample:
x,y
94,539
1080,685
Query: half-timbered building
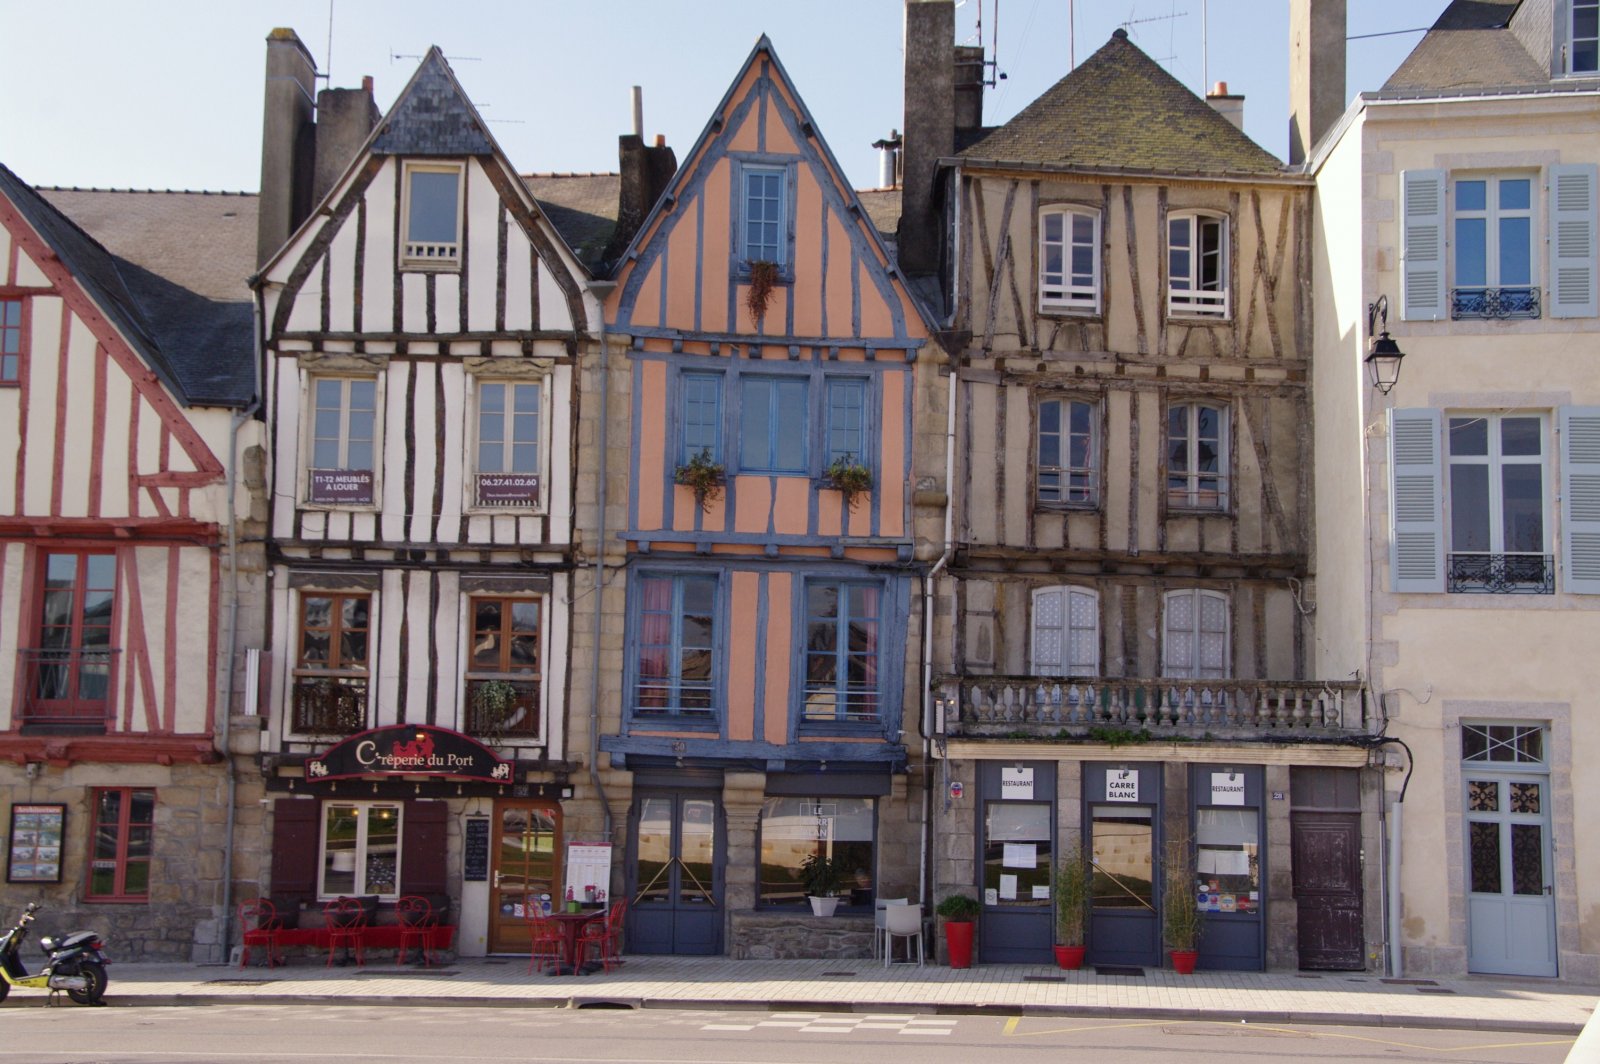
x,y
768,358
125,376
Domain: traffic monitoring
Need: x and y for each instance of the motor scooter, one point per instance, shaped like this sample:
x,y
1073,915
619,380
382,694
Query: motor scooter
x,y
76,964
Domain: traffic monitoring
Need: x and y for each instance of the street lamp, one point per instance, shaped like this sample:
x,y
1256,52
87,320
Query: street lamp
x,y
1383,354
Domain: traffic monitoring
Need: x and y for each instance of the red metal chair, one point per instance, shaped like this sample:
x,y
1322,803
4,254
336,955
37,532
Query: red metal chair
x,y
605,936
547,946
259,921
347,923
417,924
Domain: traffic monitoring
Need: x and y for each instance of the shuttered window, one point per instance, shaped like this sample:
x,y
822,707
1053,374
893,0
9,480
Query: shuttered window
x,y
1580,499
1066,631
1572,241
1416,525
1422,249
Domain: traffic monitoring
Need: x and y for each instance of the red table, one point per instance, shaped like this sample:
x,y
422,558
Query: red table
x,y
571,925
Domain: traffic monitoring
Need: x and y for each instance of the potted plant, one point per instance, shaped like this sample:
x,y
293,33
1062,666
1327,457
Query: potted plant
x,y
959,912
1181,919
493,702
1072,907
702,475
764,278
822,876
848,477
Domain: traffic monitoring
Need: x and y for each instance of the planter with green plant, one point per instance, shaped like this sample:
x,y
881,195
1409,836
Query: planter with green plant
x,y
960,911
1072,908
848,477
764,277
822,877
493,703
704,476
1181,919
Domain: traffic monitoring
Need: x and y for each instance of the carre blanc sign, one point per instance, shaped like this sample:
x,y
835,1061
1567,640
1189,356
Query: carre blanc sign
x,y
1122,785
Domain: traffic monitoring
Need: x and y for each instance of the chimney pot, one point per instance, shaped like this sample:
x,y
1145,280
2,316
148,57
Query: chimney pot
x,y
366,84
1220,89
661,140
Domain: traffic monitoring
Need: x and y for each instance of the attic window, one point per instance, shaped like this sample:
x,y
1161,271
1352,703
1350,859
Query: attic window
x,y
432,212
1585,47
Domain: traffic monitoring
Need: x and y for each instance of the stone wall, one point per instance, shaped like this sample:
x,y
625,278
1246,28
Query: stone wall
x,y
788,936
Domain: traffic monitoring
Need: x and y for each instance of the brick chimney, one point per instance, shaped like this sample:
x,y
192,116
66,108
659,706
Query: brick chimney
x,y
930,124
1316,72
345,118
287,141
646,172
1227,105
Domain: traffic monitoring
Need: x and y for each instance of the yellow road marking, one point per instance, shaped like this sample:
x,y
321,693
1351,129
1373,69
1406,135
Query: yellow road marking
x,y
1014,1022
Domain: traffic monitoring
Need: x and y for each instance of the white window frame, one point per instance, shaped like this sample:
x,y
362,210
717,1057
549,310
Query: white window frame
x,y
364,812
541,442
309,405
1057,290
1193,496
1196,630
1192,300
1495,462
430,255
1065,472
1076,603
1572,38
1492,214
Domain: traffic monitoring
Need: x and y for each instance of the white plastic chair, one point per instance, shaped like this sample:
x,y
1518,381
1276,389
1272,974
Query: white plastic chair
x,y
902,921
877,920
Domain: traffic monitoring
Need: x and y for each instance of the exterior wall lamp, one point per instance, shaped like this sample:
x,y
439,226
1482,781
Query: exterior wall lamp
x,y
1383,354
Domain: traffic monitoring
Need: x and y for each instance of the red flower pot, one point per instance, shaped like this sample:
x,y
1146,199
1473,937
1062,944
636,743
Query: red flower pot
x,y
958,942
1069,958
1183,960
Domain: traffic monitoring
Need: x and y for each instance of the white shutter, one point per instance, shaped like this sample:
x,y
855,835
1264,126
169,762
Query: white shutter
x,y
1572,241
1580,499
1416,518
1049,624
1422,255
1083,627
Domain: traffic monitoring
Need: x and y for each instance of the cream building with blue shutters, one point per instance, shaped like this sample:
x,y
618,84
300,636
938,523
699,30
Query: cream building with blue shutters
x,y
1458,515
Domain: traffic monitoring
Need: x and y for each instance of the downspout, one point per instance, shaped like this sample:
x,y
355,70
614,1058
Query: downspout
x,y
930,705
1393,884
239,420
600,289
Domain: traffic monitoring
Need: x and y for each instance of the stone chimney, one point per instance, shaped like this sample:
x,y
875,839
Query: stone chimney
x,y
930,123
1316,72
287,141
646,172
968,88
345,118
1228,106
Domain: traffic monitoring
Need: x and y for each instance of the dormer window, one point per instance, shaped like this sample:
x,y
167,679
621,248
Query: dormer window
x,y
432,213
1584,47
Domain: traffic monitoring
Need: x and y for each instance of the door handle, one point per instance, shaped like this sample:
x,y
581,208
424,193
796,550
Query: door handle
x,y
1549,888
496,879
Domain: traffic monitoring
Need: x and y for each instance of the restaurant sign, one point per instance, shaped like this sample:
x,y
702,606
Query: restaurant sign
x,y
409,750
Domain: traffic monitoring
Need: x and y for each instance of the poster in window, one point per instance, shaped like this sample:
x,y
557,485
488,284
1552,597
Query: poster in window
x,y
36,839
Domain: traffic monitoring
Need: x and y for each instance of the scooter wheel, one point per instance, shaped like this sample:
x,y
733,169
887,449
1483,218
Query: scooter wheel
x,y
95,979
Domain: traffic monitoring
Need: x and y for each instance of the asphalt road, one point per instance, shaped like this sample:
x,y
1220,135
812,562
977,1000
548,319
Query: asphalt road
x,y
350,1034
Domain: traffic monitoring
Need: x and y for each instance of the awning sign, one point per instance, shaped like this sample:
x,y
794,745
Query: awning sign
x,y
409,750
1227,788
1016,783
1122,785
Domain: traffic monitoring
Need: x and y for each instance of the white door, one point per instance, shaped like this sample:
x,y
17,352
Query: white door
x,y
1511,917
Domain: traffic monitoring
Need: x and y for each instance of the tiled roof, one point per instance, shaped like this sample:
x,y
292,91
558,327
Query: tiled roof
x,y
432,116
168,269
1469,47
883,208
1120,110
582,207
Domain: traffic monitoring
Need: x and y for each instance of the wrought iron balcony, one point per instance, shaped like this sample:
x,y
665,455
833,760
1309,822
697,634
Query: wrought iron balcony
x,y
330,705
66,691
499,708
1497,303
1502,574
1073,707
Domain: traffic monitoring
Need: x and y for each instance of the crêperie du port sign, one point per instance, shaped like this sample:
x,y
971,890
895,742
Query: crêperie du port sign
x,y
409,750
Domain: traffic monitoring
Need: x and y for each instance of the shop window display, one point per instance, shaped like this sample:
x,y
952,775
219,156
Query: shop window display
x,y
1227,860
793,829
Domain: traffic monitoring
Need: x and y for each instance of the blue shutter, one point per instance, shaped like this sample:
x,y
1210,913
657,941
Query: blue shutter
x,y
1416,513
1580,499
1572,241
1422,255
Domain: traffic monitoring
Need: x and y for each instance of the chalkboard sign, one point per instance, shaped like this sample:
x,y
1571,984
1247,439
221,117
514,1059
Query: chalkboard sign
x,y
477,850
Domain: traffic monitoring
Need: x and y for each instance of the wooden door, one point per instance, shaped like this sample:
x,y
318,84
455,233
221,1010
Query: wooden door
x,y
526,851
1326,851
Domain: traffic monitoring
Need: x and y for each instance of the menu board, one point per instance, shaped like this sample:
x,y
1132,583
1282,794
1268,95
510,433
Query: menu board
x,y
476,851
36,834
588,872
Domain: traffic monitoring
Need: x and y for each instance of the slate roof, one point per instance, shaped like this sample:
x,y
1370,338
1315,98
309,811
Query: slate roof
x,y
168,269
1469,47
582,207
432,116
1119,110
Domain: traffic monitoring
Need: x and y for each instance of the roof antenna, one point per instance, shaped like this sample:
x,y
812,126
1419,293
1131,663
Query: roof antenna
x,y
328,55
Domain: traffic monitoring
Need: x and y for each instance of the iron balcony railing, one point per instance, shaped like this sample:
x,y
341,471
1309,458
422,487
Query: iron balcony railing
x,y
330,705
1071,707
1502,574
1498,303
66,690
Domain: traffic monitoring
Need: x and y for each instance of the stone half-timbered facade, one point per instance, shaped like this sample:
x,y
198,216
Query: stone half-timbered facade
x,y
422,328
124,373
1126,621
766,361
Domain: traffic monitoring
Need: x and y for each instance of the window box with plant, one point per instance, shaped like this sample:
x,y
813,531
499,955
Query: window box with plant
x,y
960,911
822,877
1072,899
703,475
848,477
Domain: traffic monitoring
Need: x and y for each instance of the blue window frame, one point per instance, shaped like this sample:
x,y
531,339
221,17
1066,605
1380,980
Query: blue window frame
x,y
841,658
764,238
675,646
847,421
772,430
702,415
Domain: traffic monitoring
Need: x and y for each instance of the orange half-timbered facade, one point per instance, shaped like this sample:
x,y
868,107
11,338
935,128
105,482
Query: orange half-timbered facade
x,y
773,359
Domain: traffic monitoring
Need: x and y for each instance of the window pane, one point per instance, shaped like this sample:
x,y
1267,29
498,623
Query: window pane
x,y
791,425
1469,508
1471,195
1522,492
1515,194
1471,252
1516,251
1520,436
1469,436
1483,852
756,423
433,207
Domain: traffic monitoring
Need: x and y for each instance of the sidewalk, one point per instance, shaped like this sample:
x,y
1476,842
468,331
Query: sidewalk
x,y
863,985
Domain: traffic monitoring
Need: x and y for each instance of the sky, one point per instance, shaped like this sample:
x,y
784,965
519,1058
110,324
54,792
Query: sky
x,y
166,94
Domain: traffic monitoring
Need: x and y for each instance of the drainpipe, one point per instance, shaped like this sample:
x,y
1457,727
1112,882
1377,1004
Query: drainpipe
x,y
929,703
1396,809
240,418
600,289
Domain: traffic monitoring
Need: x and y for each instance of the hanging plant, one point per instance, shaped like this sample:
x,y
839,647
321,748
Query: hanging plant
x,y
763,279
493,703
848,477
704,476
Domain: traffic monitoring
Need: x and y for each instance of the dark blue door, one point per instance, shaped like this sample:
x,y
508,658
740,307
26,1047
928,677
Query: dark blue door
x,y
1123,824
676,874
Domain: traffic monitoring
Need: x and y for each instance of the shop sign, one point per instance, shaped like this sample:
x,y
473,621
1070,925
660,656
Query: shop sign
x,y
1122,785
1227,788
409,750
475,851
341,486
1016,783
